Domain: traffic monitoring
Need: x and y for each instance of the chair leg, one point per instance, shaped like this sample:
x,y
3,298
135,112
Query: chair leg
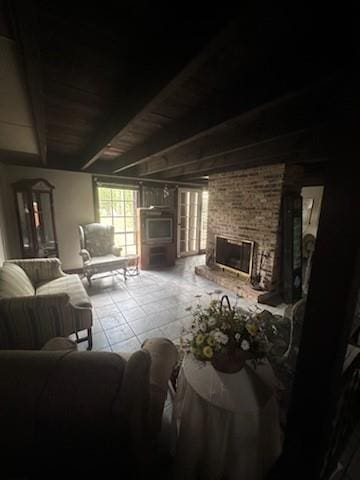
x,y
90,339
89,279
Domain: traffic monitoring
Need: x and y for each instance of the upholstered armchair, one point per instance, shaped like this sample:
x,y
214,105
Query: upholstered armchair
x,y
98,251
38,301
67,414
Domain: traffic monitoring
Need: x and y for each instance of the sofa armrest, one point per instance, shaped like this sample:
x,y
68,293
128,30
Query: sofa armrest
x,y
9,304
116,250
40,270
164,356
59,343
29,322
85,255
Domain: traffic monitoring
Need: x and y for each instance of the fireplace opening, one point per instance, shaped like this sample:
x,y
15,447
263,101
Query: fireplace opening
x,y
234,256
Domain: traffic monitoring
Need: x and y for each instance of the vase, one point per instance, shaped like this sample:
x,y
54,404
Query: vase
x,y
230,361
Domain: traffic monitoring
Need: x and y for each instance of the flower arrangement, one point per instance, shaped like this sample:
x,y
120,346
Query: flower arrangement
x,y
216,329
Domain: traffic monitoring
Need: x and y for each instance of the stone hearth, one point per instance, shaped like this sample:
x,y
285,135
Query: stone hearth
x,y
229,281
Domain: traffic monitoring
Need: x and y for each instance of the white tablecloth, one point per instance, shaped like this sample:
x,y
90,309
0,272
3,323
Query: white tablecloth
x,y
226,425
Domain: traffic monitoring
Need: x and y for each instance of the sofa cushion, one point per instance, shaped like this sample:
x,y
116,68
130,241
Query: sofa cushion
x,y
70,284
14,282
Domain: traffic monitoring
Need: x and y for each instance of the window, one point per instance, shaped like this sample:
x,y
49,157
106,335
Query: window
x,y
204,219
117,207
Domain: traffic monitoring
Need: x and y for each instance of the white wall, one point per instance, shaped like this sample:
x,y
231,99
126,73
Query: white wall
x,y
73,205
314,193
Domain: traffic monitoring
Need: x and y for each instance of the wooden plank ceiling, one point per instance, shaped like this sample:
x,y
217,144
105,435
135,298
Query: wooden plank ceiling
x,y
170,91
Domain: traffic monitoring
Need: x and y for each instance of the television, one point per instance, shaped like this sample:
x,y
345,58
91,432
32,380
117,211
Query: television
x,y
159,229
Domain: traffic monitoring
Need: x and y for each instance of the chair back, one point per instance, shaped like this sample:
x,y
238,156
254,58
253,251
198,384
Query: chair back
x,y
97,238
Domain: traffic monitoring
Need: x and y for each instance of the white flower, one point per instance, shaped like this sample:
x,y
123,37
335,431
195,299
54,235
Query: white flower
x,y
221,337
202,327
245,345
212,321
217,336
237,336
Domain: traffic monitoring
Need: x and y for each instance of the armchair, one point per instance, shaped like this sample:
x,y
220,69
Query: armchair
x,y
65,413
38,301
98,251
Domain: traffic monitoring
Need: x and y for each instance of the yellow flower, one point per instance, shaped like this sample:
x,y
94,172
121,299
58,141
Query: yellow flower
x,y
211,341
208,352
199,339
252,329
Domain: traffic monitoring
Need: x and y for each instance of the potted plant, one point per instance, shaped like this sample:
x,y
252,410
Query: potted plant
x,y
227,336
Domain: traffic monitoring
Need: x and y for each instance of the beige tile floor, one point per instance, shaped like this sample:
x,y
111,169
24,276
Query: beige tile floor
x,y
152,304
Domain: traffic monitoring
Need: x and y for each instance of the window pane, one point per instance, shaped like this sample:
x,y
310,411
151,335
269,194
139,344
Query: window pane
x,y
130,239
204,219
118,209
129,209
130,224
106,220
119,225
116,194
105,209
131,249
120,239
128,195
104,193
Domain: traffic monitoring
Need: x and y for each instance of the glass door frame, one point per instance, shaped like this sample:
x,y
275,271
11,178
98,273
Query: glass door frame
x,y
198,222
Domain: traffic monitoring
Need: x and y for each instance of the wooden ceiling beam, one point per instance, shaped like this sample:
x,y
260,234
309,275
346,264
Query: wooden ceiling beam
x,y
225,110
136,105
298,147
218,109
25,26
278,118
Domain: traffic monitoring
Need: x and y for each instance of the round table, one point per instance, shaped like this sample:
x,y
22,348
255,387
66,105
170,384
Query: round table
x,y
226,425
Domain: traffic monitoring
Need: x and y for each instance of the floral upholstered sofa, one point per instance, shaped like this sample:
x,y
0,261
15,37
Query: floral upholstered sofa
x,y
38,301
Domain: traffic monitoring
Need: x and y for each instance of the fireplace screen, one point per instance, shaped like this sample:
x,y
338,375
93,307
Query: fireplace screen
x,y
236,256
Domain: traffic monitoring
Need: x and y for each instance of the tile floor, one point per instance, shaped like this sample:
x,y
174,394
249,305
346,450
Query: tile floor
x,y
152,304
155,303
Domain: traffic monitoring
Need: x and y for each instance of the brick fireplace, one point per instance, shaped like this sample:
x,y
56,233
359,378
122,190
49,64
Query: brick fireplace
x,y
245,206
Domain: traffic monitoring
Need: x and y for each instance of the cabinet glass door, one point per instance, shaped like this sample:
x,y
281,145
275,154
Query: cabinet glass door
x,y
44,226
34,205
24,211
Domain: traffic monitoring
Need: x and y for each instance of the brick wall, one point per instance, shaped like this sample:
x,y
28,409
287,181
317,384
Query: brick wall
x,y
246,205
